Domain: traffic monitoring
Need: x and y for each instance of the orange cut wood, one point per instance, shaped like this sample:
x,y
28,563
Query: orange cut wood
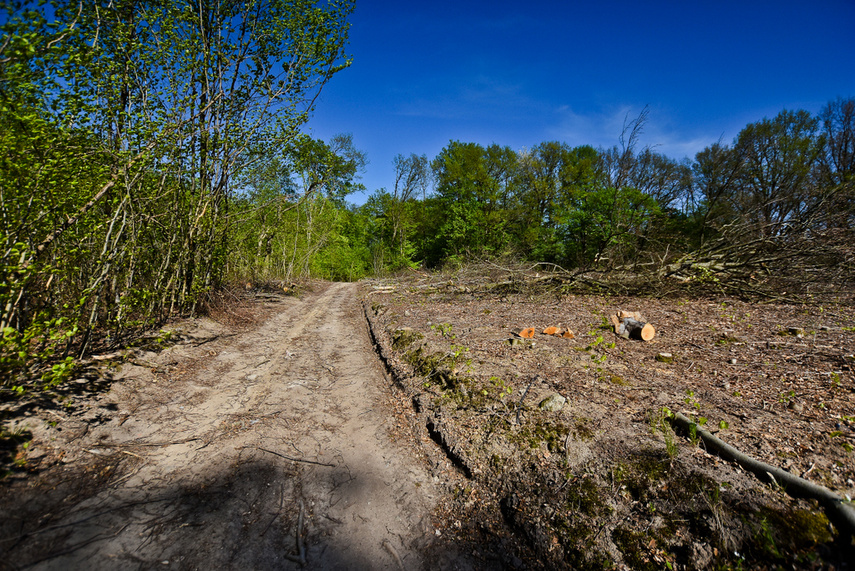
x,y
527,333
568,335
648,332
550,330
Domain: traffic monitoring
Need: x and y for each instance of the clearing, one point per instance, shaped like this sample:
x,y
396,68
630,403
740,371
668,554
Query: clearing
x,y
286,443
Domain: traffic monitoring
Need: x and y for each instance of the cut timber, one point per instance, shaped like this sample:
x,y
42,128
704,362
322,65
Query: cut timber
x,y
638,330
527,333
631,325
550,330
568,334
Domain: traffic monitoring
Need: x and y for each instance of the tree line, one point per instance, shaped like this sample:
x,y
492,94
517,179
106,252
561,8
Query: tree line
x,y
777,202
781,180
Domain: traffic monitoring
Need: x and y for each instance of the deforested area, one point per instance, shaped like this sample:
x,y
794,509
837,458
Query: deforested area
x,y
568,446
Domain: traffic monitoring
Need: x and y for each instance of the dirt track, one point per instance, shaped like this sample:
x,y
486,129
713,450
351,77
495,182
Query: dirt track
x,y
201,455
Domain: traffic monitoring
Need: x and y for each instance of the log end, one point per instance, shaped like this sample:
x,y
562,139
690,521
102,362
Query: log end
x,y
648,332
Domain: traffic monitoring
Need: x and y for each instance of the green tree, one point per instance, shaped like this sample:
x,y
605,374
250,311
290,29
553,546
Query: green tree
x,y
466,192
778,155
602,223
291,215
128,124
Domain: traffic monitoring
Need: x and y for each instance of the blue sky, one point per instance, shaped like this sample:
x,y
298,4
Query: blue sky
x,y
521,73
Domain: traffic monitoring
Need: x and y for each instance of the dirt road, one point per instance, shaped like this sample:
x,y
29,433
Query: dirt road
x,y
221,450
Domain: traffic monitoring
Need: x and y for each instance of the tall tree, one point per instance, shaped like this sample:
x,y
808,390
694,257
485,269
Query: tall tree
x,y
717,170
837,161
778,156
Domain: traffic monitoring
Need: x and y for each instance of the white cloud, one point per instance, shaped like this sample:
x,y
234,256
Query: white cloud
x,y
603,129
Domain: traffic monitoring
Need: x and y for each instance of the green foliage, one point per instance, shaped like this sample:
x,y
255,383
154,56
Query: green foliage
x,y
658,421
123,127
290,221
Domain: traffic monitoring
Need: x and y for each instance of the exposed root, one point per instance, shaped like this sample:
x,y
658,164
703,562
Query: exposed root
x,y
839,511
300,558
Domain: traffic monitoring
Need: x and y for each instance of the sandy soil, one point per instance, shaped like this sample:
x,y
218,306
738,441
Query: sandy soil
x,y
218,451
288,443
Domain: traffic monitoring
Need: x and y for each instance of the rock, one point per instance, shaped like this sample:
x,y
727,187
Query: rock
x,y
665,358
700,555
552,403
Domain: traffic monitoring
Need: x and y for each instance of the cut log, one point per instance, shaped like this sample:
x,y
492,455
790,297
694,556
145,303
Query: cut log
x,y
631,325
638,330
550,330
568,334
838,509
527,333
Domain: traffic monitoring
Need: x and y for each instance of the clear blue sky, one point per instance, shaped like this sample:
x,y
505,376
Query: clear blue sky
x,y
524,72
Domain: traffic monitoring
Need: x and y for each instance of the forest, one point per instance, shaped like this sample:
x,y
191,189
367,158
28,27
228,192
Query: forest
x,y
152,154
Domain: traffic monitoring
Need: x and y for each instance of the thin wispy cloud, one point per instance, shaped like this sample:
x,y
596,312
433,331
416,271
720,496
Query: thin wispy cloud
x,y
519,74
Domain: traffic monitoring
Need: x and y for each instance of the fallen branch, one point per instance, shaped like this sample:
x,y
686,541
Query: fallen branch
x,y
839,511
298,459
132,443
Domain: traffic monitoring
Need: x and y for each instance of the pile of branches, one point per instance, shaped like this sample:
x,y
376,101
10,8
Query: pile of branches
x,y
752,263
807,266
